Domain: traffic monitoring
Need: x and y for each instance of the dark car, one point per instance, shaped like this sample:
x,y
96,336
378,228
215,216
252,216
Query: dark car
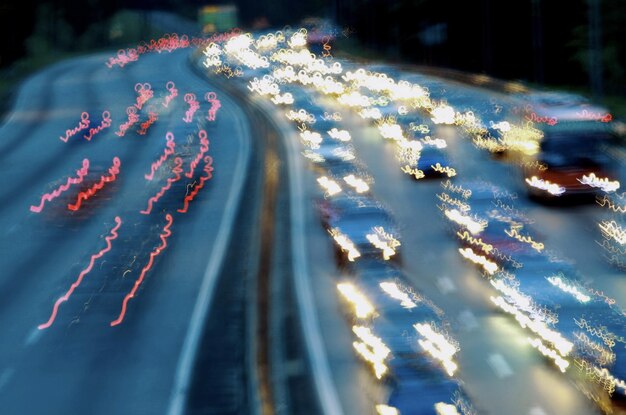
x,y
588,327
361,227
410,370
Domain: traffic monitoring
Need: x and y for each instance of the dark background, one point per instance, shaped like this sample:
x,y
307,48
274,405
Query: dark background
x,y
541,41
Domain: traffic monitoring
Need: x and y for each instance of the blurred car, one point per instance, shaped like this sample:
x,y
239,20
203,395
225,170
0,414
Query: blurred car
x,y
329,154
545,101
593,326
351,176
490,230
574,136
431,161
568,152
411,369
362,228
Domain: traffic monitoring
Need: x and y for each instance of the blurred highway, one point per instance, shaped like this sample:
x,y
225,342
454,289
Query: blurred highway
x,y
81,364
231,306
498,366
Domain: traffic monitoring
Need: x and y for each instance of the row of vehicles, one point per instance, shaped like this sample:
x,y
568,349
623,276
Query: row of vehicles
x,y
404,337
576,328
562,150
398,333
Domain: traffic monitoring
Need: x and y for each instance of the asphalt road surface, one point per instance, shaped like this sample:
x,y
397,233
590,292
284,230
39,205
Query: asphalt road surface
x,y
81,364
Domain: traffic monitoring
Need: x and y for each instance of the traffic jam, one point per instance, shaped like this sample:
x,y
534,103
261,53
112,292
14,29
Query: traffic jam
x,y
557,143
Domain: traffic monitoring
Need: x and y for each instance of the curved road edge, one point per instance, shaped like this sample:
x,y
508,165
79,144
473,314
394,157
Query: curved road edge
x,y
325,388
185,366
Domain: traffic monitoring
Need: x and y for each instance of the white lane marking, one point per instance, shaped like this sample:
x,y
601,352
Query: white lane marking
x,y
468,320
33,337
537,410
6,376
446,285
184,367
499,365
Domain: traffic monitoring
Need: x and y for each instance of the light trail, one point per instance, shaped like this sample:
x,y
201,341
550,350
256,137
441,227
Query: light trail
x,y
112,236
204,148
82,125
170,147
48,197
114,170
164,235
208,169
104,124
177,170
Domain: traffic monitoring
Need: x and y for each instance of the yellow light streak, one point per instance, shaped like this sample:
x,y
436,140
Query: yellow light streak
x,y
370,113
265,42
449,171
362,307
345,244
472,225
395,292
372,349
341,135
408,151
604,184
465,236
437,346
313,156
285,98
301,115
488,143
443,114
605,201
561,363
601,332
298,39
504,126
386,410
558,282
331,186
446,198
415,172
549,187
466,193
359,185
436,142
311,138
420,128
354,99
523,139
442,408
611,230
392,131
468,253
513,232
264,86
605,356
563,346
383,241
